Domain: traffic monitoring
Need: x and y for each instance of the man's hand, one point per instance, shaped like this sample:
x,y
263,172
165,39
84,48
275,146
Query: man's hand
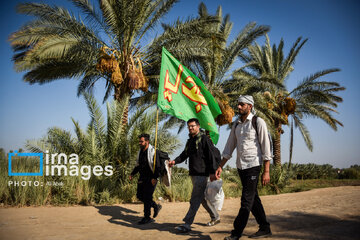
x,y
171,163
130,177
212,177
219,170
218,173
153,182
265,178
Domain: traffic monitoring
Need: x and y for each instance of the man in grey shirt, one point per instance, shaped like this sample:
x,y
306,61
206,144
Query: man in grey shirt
x,y
253,148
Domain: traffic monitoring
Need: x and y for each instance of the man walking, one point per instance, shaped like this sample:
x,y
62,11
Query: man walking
x,y
148,177
201,165
249,136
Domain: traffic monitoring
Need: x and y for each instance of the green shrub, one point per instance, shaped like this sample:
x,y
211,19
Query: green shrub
x,y
350,173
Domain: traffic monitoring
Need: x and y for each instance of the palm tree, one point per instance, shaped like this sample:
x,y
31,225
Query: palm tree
x,y
216,67
108,144
264,76
186,40
209,54
58,45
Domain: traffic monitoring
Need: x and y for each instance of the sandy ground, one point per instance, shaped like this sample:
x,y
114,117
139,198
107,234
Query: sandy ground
x,y
328,213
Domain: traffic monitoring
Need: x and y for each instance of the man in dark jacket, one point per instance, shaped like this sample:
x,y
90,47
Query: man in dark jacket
x,y
201,165
148,177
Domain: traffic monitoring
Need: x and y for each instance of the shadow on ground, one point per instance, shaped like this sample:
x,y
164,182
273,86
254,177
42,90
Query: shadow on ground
x,y
301,225
126,217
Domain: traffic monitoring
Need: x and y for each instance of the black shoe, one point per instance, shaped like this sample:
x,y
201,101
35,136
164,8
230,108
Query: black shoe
x,y
183,228
261,234
145,221
157,210
232,237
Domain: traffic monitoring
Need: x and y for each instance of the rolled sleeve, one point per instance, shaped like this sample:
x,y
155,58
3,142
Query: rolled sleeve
x,y
264,140
230,144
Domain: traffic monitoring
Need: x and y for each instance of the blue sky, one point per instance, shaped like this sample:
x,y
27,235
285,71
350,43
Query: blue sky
x,y
333,30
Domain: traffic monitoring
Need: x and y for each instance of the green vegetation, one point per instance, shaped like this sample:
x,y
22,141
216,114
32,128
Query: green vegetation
x,y
73,191
181,186
113,144
308,184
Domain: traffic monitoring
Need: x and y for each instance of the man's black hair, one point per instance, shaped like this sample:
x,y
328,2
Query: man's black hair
x,y
145,136
194,120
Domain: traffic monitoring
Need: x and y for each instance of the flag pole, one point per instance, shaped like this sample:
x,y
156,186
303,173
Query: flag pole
x,y
156,132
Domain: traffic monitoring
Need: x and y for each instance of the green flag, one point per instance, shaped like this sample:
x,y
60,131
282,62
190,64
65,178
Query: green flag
x,y
183,95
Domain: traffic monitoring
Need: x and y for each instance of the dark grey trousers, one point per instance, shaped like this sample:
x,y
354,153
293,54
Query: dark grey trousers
x,y
197,198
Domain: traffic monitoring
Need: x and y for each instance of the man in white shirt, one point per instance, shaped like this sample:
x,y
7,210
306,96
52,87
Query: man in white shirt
x,y
253,148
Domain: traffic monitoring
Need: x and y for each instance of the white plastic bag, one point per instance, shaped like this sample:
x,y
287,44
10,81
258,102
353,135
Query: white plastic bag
x,y
166,179
214,194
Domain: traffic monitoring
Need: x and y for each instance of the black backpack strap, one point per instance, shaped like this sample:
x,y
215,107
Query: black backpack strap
x,y
254,124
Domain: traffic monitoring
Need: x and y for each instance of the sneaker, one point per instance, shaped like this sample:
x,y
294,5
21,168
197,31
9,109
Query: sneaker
x,y
183,228
261,234
232,237
146,221
157,210
213,222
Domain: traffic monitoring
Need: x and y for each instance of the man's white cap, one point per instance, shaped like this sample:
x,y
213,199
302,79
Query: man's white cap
x,y
246,99
249,100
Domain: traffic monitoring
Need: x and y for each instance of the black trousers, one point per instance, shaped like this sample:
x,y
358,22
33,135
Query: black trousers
x,y
145,191
250,201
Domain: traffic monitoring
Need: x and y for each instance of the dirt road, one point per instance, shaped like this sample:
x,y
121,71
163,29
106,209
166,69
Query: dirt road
x,y
328,213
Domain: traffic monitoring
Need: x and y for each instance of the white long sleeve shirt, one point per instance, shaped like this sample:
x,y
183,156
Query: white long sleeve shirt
x,y
251,149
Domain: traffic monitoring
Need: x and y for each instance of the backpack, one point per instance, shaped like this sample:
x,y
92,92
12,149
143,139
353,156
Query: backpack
x,y
215,155
214,152
164,171
254,125
162,157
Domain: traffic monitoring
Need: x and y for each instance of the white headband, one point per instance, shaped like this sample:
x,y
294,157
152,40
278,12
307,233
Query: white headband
x,y
246,99
249,100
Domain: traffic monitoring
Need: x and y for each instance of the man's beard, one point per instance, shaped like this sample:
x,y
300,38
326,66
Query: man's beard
x,y
244,113
241,114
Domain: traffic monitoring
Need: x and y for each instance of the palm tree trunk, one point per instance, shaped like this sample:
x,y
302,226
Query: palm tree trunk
x,y
291,142
118,95
126,116
277,144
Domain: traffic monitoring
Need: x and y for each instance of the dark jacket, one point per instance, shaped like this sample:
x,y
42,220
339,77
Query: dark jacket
x,y
197,149
146,173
